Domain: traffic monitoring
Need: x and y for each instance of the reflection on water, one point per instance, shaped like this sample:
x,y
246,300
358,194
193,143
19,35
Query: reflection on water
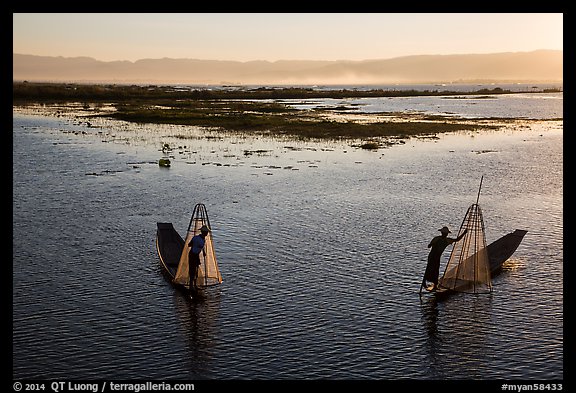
x,y
513,264
321,265
199,328
429,318
468,344
457,343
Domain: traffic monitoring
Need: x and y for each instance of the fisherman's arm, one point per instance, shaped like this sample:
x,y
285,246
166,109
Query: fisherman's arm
x,y
462,235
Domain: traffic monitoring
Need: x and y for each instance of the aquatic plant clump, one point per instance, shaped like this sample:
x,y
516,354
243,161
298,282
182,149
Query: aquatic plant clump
x,y
164,162
254,111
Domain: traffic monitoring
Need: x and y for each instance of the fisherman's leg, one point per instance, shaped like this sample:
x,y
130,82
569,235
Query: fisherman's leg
x,y
424,283
192,280
429,273
193,269
194,276
436,272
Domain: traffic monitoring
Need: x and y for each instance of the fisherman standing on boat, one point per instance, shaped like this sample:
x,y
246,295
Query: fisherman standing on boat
x,y
196,246
438,244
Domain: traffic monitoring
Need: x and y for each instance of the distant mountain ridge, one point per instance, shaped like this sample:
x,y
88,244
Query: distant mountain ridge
x,y
540,65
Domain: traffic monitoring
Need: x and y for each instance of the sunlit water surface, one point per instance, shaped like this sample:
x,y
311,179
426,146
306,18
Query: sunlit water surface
x,y
321,245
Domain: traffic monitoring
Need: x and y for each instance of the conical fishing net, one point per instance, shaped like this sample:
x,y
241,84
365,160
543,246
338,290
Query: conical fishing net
x,y
468,268
208,272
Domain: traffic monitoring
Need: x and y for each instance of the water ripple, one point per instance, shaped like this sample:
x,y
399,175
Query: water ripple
x,y
321,266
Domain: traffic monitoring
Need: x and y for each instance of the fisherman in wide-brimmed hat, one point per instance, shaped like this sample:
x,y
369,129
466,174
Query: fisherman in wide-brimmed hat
x,y
438,245
196,245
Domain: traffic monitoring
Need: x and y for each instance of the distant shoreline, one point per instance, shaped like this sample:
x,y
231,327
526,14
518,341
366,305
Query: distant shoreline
x,y
253,111
24,92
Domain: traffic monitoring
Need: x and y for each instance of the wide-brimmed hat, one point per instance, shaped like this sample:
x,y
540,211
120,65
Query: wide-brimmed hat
x,y
205,229
445,230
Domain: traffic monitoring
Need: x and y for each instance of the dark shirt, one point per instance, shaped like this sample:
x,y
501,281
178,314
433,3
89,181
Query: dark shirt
x,y
197,244
439,244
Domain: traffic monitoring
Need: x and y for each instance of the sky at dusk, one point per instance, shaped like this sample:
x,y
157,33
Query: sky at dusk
x,y
281,36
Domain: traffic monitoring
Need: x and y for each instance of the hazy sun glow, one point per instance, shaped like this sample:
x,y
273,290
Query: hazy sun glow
x,y
281,36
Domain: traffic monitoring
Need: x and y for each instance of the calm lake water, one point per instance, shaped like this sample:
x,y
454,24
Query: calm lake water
x,y
322,247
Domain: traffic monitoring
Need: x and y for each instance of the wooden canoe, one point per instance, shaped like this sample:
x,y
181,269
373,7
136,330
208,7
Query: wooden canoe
x,y
498,251
169,245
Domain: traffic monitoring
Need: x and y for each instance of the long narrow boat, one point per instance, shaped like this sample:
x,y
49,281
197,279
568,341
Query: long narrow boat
x,y
169,245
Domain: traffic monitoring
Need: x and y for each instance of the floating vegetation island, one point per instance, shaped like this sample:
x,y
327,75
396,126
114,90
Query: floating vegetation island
x,y
257,110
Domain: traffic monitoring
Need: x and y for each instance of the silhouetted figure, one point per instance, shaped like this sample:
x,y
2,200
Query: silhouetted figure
x,y
196,246
438,244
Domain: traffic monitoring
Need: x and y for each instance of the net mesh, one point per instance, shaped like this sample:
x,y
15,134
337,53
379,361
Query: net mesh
x,y
468,268
208,272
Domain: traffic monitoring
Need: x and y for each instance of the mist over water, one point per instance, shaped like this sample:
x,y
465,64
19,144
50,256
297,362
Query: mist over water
x,y
322,247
